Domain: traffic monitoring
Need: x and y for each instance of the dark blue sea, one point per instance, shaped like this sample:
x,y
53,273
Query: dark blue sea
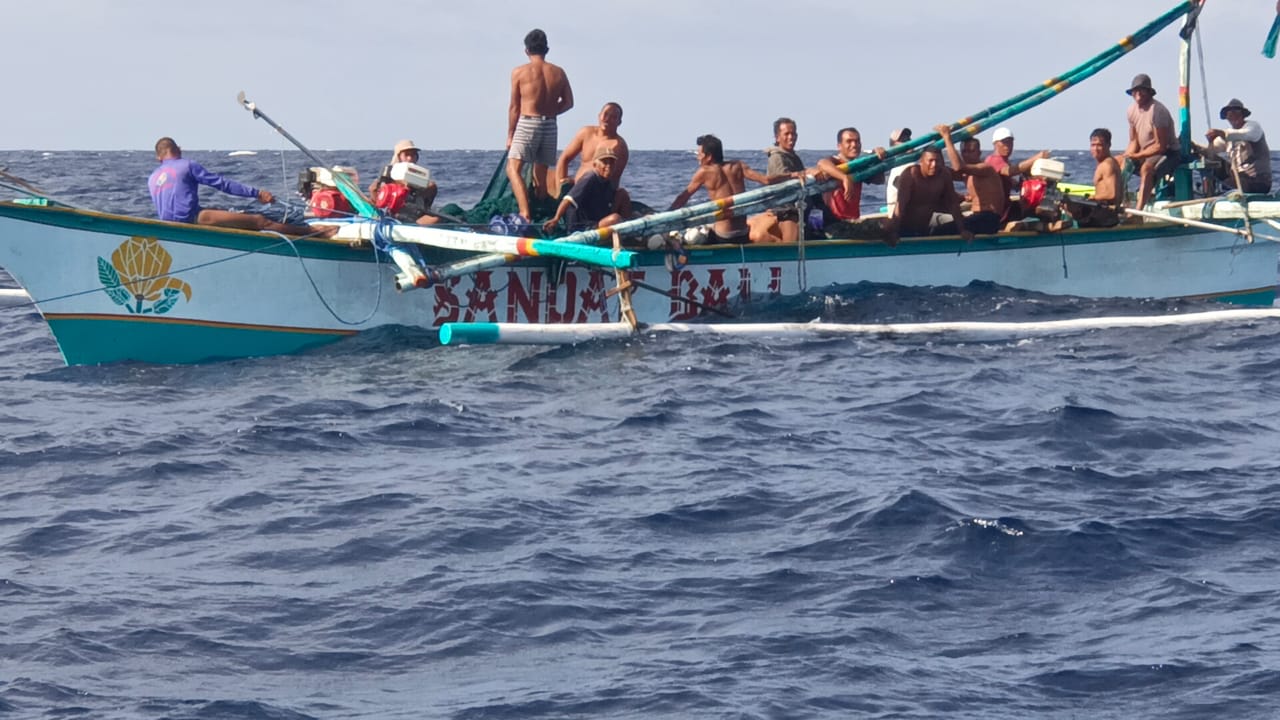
x,y
1082,526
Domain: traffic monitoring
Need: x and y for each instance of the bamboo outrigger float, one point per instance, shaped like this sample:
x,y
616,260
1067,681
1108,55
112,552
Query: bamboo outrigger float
x,y
113,287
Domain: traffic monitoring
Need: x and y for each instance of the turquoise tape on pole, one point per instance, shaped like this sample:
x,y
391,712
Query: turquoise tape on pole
x,y
589,254
468,334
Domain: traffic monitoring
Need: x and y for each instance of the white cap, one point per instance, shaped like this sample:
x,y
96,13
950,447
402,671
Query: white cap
x,y
1001,133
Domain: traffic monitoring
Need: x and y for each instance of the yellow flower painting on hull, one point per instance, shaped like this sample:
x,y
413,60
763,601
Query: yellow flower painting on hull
x,y
138,274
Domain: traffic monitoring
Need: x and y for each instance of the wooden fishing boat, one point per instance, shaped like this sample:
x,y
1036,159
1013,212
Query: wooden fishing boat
x,y
114,288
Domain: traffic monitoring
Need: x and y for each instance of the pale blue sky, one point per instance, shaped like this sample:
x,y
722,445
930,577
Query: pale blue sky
x,y
117,74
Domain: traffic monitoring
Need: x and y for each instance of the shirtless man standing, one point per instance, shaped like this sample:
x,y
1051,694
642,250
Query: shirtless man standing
x,y
591,139
926,191
985,184
540,92
721,179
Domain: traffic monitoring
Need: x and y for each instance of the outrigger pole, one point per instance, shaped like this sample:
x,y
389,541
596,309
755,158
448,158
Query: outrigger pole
x,y
862,168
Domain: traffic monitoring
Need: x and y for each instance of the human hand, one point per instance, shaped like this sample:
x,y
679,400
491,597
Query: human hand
x,y
550,225
265,197
880,152
943,130
966,234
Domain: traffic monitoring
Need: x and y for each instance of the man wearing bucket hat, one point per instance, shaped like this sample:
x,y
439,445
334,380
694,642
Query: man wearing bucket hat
x,y
410,204
1246,147
1153,144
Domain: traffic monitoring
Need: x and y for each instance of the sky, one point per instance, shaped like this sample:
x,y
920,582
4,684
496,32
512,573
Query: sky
x,y
341,74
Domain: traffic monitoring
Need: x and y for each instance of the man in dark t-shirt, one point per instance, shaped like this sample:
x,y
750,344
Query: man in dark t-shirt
x,y
590,203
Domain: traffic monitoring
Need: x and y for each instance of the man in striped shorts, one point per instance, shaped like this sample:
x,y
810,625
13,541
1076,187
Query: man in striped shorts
x,y
539,93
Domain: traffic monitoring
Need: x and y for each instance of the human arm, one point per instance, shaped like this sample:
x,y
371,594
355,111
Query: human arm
x,y
953,207
565,101
1131,150
226,185
688,192
1025,166
1249,132
906,188
755,176
561,209
513,109
953,155
832,170
620,162
573,150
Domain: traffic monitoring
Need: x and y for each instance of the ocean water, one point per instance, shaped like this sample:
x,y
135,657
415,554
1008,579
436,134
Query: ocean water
x,y
1082,526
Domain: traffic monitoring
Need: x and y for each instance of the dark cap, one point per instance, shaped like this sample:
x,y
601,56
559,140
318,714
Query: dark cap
x,y
1234,104
1141,80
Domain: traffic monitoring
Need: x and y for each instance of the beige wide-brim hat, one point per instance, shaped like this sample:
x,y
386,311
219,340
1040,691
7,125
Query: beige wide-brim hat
x,y
401,147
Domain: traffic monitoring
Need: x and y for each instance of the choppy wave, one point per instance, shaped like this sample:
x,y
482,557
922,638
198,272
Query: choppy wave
x,y
668,526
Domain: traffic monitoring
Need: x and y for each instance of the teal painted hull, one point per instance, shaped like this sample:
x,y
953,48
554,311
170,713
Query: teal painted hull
x,y
89,341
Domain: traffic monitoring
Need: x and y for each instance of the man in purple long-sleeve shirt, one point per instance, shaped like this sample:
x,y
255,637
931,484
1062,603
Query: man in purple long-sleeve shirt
x,y
175,190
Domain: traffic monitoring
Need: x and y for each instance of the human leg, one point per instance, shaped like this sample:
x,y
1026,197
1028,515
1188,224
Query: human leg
x,y
515,174
254,221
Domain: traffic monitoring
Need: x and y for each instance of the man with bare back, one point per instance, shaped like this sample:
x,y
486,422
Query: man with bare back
x,y
590,140
721,180
927,200
540,93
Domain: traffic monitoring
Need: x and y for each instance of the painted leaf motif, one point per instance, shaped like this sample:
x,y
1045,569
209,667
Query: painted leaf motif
x,y
110,280
164,304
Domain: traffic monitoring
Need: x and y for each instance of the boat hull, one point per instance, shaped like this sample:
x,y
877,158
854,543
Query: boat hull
x,y
117,288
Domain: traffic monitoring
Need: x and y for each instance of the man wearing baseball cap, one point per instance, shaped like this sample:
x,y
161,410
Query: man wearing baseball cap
x,y
1246,146
589,204
1153,143
1001,158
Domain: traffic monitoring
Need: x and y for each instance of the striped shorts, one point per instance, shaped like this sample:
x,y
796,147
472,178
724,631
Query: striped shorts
x,y
534,140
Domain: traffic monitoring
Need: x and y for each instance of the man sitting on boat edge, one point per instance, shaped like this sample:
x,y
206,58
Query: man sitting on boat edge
x,y
722,180
927,201
175,190
588,140
1247,148
1101,209
842,207
1153,141
988,194
590,203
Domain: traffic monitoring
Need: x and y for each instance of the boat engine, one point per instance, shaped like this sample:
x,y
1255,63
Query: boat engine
x,y
402,191
319,188
1040,191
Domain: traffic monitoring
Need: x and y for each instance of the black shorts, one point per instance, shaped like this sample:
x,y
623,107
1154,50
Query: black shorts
x,y
983,223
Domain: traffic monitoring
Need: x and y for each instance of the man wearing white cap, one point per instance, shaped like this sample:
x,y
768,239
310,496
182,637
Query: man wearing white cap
x,y
1247,147
1153,143
1001,159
